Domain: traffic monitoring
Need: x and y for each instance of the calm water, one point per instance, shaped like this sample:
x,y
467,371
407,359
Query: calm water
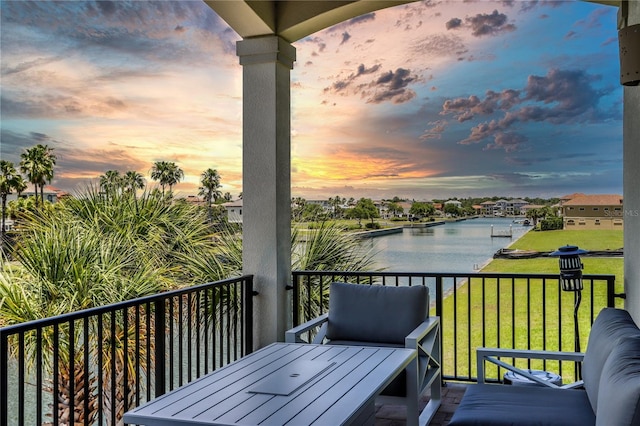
x,y
452,247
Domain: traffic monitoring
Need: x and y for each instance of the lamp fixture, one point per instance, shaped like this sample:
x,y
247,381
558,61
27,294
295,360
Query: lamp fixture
x,y
571,280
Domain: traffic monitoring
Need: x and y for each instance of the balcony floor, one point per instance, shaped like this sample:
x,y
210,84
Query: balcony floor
x,y
395,415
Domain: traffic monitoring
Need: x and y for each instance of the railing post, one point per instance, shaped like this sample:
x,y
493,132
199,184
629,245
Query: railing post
x,y
611,292
4,404
248,314
296,300
439,296
160,346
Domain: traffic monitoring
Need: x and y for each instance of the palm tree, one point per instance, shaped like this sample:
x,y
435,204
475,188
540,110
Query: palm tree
x,y
174,176
37,163
335,203
210,189
20,185
132,181
8,184
167,173
110,182
534,214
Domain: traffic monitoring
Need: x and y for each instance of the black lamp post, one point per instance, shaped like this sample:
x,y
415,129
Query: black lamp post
x,y
571,280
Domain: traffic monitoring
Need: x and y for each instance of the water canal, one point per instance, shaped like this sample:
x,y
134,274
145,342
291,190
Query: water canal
x,y
453,247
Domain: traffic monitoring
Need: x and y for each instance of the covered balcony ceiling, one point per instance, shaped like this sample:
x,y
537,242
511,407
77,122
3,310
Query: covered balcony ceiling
x,y
296,19
292,19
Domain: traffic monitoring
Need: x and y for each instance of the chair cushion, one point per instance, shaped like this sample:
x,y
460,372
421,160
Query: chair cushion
x,y
502,405
610,325
619,395
373,313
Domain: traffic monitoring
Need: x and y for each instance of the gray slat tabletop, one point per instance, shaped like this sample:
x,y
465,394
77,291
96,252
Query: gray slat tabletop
x,y
283,383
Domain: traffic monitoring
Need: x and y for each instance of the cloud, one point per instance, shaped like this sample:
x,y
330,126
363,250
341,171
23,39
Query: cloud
x,y
439,45
74,167
345,38
483,24
435,131
367,17
392,86
570,94
560,97
528,161
453,23
59,106
341,85
528,5
465,109
24,66
489,24
507,140
157,31
594,20
570,35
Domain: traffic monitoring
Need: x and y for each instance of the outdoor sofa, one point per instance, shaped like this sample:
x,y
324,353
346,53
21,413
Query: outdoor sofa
x,y
610,393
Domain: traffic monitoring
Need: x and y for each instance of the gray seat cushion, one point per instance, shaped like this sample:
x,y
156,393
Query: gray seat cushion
x,y
619,395
501,405
610,325
373,313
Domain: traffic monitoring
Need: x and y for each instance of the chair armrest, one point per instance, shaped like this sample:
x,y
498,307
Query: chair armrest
x,y
293,335
492,355
417,336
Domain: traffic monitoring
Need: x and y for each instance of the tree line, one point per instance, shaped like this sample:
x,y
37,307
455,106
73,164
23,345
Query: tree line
x,y
37,167
366,209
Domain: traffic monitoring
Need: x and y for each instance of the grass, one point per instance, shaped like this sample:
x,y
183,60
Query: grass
x,y
478,306
595,239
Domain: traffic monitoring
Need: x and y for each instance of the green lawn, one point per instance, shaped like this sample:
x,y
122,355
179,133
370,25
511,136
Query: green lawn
x,y
476,313
585,239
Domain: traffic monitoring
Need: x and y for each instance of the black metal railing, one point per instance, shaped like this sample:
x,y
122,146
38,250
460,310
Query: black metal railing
x,y
524,311
90,367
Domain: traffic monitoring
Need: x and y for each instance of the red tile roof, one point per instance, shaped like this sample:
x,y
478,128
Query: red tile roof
x,y
571,196
596,200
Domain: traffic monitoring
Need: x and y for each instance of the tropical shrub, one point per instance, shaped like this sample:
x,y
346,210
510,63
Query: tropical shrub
x,y
93,250
551,223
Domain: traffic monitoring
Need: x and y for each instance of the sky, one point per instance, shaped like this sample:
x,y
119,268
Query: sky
x,y
434,99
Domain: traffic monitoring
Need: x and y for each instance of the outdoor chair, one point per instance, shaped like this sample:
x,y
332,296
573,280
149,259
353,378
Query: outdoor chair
x,y
607,395
374,315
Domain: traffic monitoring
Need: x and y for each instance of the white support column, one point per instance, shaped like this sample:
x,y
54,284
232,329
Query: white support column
x,y
266,173
631,137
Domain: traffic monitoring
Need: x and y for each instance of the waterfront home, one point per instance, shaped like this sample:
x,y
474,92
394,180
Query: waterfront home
x,y
604,211
234,211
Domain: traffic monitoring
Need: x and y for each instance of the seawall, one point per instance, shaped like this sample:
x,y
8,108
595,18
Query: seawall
x,y
378,232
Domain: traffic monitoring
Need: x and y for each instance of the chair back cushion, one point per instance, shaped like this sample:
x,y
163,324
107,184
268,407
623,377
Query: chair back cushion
x,y
619,395
373,313
610,326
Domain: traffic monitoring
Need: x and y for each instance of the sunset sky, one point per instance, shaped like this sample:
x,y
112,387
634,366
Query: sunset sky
x,y
433,99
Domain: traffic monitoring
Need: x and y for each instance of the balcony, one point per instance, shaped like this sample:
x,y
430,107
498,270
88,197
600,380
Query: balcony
x,y
123,355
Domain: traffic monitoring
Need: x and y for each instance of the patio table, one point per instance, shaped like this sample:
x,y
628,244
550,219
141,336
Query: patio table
x,y
284,383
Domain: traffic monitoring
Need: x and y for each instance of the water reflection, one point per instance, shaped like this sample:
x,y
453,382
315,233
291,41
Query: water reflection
x,y
452,247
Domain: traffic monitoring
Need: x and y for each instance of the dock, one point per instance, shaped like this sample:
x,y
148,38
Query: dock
x,y
502,233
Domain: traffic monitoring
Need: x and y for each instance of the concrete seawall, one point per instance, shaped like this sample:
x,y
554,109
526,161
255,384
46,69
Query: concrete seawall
x,y
378,232
424,224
